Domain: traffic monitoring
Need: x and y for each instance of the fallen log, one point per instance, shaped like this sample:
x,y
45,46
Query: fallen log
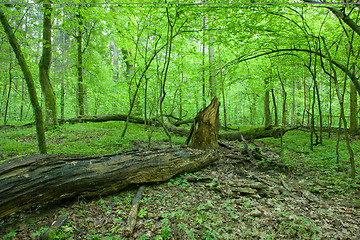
x,y
129,229
34,179
255,133
103,118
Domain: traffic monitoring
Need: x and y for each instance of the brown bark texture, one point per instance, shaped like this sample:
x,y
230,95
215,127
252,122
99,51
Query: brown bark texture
x,y
207,134
34,179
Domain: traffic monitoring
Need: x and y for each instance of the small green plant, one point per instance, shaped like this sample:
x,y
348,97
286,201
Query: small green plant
x,y
38,232
165,230
143,212
298,227
10,235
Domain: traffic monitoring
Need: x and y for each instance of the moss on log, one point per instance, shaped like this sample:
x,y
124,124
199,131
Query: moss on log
x,y
254,133
34,179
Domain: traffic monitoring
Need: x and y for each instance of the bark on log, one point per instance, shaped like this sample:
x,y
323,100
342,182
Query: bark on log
x,y
34,179
103,118
254,133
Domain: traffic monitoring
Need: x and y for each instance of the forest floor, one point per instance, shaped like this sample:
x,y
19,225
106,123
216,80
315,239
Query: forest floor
x,y
285,196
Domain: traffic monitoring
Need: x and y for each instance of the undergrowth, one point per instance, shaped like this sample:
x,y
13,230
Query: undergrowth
x,y
320,164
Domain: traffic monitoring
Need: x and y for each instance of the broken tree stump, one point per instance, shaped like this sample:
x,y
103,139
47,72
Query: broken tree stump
x,y
207,134
34,179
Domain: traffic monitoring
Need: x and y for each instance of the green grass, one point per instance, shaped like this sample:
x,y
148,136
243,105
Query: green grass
x,y
84,139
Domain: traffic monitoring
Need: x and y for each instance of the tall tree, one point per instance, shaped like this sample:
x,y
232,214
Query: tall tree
x,y
267,103
29,82
354,122
44,71
79,40
212,77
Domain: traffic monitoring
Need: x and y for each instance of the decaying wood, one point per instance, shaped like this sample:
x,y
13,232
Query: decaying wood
x,y
129,229
103,118
34,179
255,133
207,134
248,150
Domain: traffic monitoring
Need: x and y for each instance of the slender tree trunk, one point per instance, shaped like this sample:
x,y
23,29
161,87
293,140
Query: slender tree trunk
x,y
9,92
330,107
354,125
293,116
22,99
212,78
320,111
2,106
267,104
163,81
340,98
29,81
304,111
145,98
115,62
283,110
222,80
313,119
203,65
79,39
180,90
44,71
276,120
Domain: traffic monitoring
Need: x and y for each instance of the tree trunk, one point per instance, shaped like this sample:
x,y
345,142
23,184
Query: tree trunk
x,y
276,121
29,82
79,38
342,114
8,95
206,136
44,72
222,80
203,64
27,181
212,78
293,115
354,125
22,99
267,104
